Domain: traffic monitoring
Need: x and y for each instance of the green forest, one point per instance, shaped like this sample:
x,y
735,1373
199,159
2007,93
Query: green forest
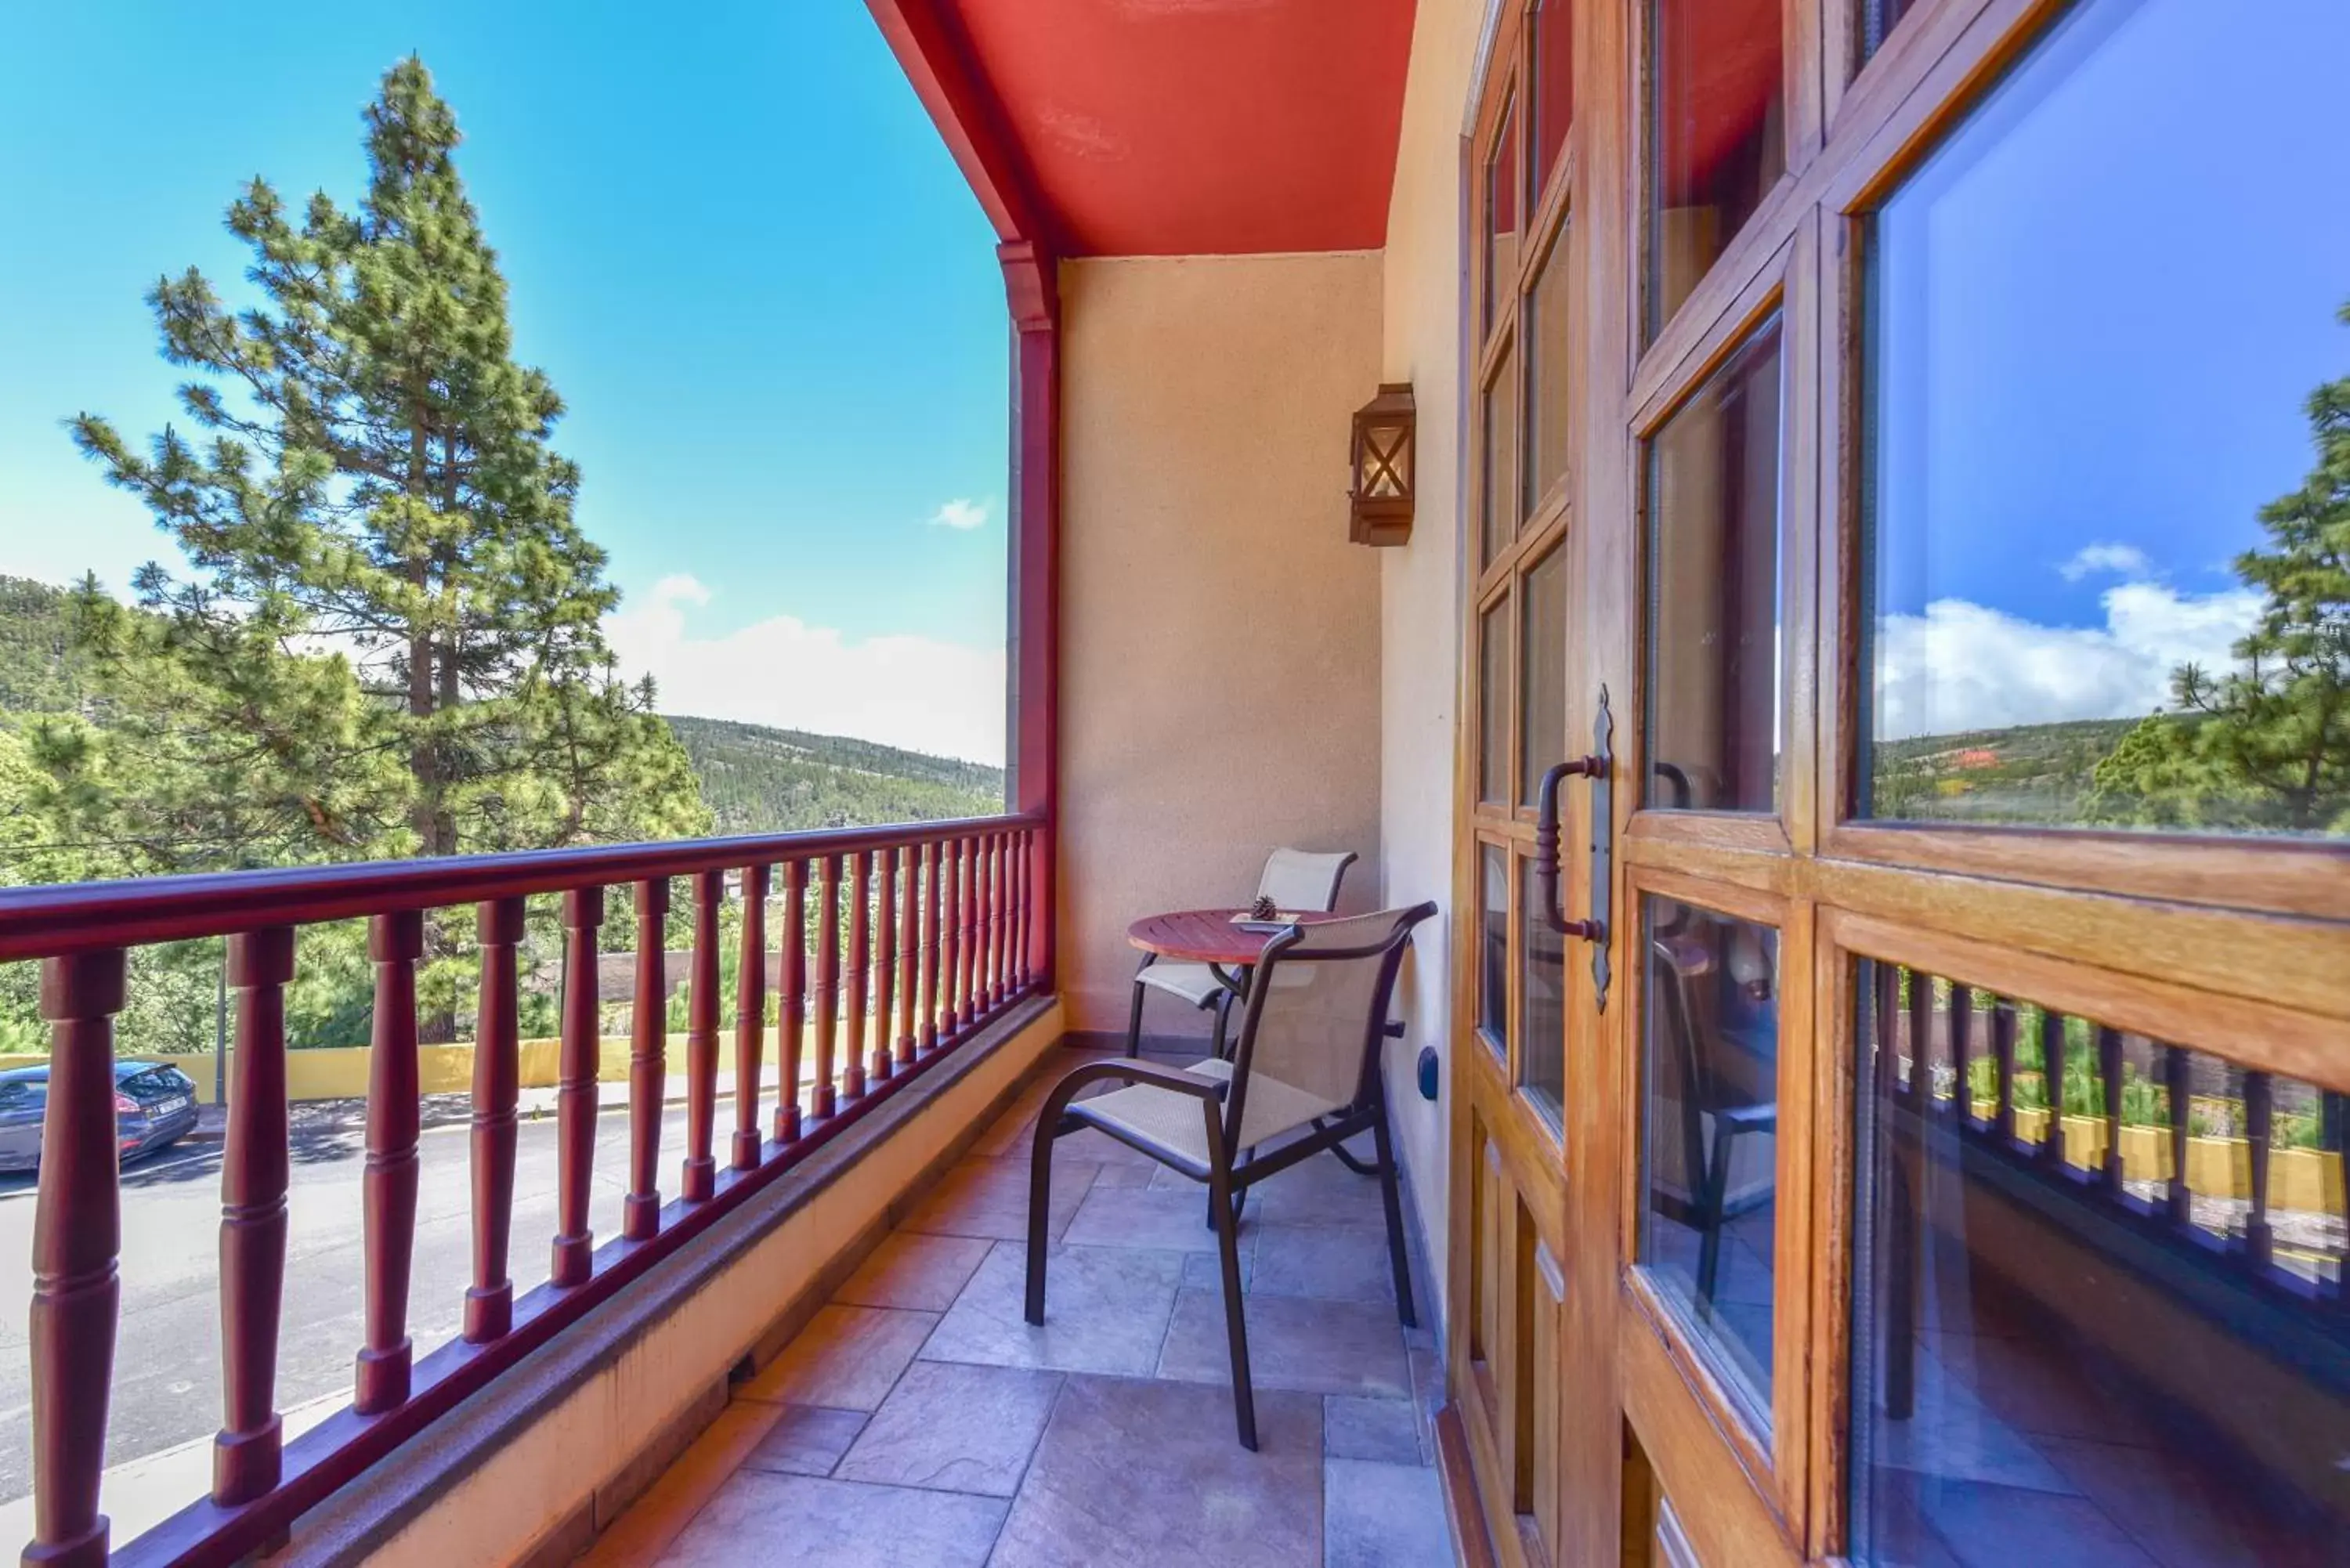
x,y
376,629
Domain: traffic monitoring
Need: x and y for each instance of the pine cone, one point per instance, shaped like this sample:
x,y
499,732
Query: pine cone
x,y
1264,909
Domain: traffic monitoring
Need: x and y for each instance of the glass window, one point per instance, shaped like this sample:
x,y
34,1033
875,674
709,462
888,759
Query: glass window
x,y
1554,91
2110,442
1878,20
1718,139
1709,1132
1493,947
1542,673
2088,1306
1549,363
1502,217
1498,498
1494,703
1541,1024
1714,589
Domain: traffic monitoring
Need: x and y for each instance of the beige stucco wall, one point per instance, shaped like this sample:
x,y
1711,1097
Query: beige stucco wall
x,y
1219,655
1419,584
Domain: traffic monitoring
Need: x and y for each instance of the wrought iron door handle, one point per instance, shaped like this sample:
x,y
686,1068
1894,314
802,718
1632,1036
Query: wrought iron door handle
x,y
1597,766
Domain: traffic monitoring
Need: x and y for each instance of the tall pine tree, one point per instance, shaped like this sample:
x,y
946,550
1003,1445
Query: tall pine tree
x,y
379,503
2266,744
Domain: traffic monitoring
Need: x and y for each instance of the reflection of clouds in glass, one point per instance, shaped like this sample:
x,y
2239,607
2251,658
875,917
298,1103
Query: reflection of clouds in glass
x,y
2123,560
1963,665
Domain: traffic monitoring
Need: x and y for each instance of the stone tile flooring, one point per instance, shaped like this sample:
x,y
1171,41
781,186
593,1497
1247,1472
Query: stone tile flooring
x,y
919,1420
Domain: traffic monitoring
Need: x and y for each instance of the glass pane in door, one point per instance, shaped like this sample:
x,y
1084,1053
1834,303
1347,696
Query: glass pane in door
x,y
1494,703
1714,589
2110,468
2099,1310
1500,283
1493,947
1541,672
1541,985
1710,1096
1718,135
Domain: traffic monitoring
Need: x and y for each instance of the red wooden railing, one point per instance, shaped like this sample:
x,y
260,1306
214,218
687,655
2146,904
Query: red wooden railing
x,y
944,928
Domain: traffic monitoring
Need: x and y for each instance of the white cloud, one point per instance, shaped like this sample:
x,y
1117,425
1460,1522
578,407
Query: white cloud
x,y
903,691
2123,560
961,513
1964,666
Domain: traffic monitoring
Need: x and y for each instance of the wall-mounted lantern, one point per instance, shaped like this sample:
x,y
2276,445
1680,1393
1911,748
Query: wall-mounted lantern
x,y
1380,512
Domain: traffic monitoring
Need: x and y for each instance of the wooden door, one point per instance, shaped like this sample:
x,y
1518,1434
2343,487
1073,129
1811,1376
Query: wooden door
x,y
1952,511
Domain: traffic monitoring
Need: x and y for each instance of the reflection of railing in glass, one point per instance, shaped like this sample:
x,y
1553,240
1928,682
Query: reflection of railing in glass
x,y
2074,1233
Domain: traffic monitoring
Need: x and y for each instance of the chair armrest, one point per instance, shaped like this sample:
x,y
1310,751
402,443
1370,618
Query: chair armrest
x,y
1131,1071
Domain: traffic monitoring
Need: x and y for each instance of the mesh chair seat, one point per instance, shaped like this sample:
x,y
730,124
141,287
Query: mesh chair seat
x,y
1194,982
1172,1121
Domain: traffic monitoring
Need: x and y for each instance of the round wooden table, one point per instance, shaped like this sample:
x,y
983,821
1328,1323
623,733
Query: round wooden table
x,y
1206,936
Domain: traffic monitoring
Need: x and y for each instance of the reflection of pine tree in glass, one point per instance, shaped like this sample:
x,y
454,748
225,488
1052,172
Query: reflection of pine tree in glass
x,y
2266,745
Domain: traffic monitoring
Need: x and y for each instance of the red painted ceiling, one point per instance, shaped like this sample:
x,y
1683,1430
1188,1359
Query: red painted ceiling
x,y
1198,126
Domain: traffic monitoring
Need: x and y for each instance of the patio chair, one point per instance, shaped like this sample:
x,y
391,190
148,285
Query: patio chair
x,y
1713,1112
1294,879
1304,1075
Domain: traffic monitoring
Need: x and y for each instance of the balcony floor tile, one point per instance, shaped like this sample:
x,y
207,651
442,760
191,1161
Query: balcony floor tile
x,y
806,1440
1354,1426
955,1428
759,1517
1174,1221
846,1358
1147,1473
1106,1309
1383,1516
989,1198
915,1272
1332,1263
1294,1342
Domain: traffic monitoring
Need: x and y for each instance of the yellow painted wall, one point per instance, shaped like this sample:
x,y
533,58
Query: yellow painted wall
x,y
1420,583
506,1506
1219,655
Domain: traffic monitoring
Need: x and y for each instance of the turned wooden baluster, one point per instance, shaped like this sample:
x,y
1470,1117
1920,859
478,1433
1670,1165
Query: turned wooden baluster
x,y
698,1181
1025,969
860,947
992,915
2052,1059
1963,1019
76,1235
2109,1068
575,1092
2259,1240
949,938
885,957
826,1100
1921,1082
647,1062
255,1170
981,879
934,869
967,923
910,957
750,1017
791,1005
497,1081
388,1187
2178,1200
2002,1054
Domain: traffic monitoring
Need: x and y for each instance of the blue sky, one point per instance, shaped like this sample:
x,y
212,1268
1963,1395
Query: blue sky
x,y
734,240
2103,306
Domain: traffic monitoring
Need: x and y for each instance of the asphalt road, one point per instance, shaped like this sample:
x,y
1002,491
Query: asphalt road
x,y
167,1381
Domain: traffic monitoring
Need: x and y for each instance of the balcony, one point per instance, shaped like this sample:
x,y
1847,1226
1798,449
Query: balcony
x,y
918,1417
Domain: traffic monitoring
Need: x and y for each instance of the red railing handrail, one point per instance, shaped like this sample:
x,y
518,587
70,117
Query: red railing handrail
x,y
80,917
962,950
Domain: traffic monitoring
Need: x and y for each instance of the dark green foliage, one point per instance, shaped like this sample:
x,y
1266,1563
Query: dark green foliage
x,y
2265,746
760,780
392,612
2027,772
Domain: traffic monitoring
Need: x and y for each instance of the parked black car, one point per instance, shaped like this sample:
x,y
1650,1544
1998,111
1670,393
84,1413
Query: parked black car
x,y
154,1108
